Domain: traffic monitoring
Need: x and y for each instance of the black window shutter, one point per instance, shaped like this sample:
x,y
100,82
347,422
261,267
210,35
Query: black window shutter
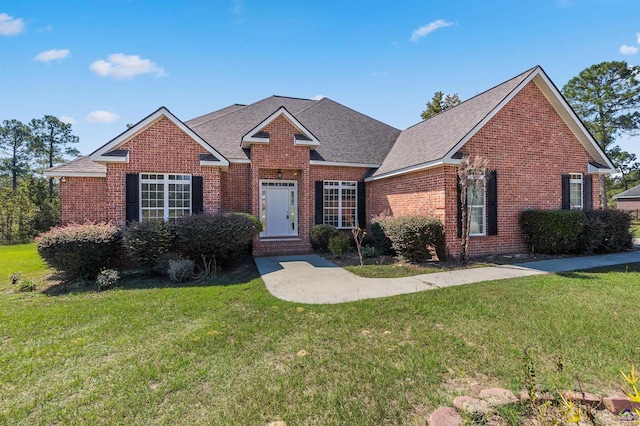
x,y
132,197
197,204
492,203
566,193
319,202
587,202
459,206
362,203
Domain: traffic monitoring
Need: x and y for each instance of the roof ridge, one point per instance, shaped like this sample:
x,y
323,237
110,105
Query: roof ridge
x,y
529,71
242,106
289,97
213,112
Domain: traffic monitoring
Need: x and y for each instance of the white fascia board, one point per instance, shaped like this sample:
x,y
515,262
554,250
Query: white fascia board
x,y
213,164
584,136
489,116
416,168
247,139
338,164
593,170
239,161
112,159
99,156
55,174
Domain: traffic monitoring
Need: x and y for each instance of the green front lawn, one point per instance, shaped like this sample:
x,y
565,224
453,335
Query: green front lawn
x,y
229,353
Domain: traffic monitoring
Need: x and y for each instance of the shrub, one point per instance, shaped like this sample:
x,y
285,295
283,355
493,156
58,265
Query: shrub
x,y
26,286
574,231
146,242
181,269
252,218
107,279
553,231
415,238
80,251
339,244
161,265
381,242
368,251
606,231
320,236
214,237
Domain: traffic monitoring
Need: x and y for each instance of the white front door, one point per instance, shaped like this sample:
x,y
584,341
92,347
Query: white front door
x,y
278,203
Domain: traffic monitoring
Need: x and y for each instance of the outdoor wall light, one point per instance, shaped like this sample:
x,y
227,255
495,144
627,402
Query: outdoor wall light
x,y
279,174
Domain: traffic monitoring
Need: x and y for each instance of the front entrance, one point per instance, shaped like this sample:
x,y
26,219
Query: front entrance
x,y
278,208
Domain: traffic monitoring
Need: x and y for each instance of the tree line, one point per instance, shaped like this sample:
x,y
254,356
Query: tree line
x,y
29,202
606,97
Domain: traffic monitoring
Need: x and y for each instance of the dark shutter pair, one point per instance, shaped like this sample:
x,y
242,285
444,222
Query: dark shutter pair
x,y
587,192
492,205
132,202
319,204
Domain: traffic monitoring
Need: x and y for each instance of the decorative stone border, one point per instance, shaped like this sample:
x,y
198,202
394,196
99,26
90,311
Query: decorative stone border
x,y
489,399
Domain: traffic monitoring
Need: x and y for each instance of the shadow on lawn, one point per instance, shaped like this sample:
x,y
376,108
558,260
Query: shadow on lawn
x,y
134,280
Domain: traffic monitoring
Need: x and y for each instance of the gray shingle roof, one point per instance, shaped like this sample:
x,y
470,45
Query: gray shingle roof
x,y
432,139
345,135
79,165
630,193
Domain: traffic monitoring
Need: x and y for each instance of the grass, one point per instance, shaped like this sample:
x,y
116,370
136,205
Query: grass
x,y
228,353
392,270
635,228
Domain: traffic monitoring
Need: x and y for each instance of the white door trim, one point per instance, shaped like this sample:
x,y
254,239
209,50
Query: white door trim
x,y
263,204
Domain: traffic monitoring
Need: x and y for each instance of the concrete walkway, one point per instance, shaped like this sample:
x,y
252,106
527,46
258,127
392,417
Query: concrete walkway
x,y
313,279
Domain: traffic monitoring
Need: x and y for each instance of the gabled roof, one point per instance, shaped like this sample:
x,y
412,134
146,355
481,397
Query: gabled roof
x,y
105,152
629,193
346,136
258,135
80,167
437,140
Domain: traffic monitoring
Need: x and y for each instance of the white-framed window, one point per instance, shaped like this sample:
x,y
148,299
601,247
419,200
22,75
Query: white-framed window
x,y
476,208
575,190
340,203
164,196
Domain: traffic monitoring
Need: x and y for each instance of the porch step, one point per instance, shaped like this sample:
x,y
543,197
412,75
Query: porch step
x,y
280,246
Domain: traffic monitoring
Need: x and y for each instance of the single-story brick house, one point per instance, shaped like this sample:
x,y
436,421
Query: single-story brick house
x,y
629,201
299,162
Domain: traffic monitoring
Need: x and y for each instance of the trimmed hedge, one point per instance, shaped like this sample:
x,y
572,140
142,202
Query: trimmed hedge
x,y
218,237
80,251
146,242
415,238
321,235
553,231
575,231
607,231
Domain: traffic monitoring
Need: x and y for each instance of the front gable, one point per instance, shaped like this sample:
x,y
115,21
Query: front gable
x,y
260,135
118,149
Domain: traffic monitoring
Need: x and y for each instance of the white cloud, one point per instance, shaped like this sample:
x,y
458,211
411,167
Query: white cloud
x,y
67,119
318,97
10,26
50,55
628,50
101,117
46,29
121,66
429,28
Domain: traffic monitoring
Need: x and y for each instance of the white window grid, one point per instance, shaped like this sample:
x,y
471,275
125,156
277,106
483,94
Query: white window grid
x,y
164,196
340,204
476,208
576,189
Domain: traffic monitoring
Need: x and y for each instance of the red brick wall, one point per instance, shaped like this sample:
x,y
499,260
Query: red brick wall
x,y
82,199
529,146
236,188
160,148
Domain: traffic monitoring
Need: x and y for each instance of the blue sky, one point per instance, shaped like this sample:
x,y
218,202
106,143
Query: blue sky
x,y
103,64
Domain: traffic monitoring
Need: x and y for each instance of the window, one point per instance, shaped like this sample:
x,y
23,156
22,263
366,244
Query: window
x,y
340,203
164,196
575,191
476,207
